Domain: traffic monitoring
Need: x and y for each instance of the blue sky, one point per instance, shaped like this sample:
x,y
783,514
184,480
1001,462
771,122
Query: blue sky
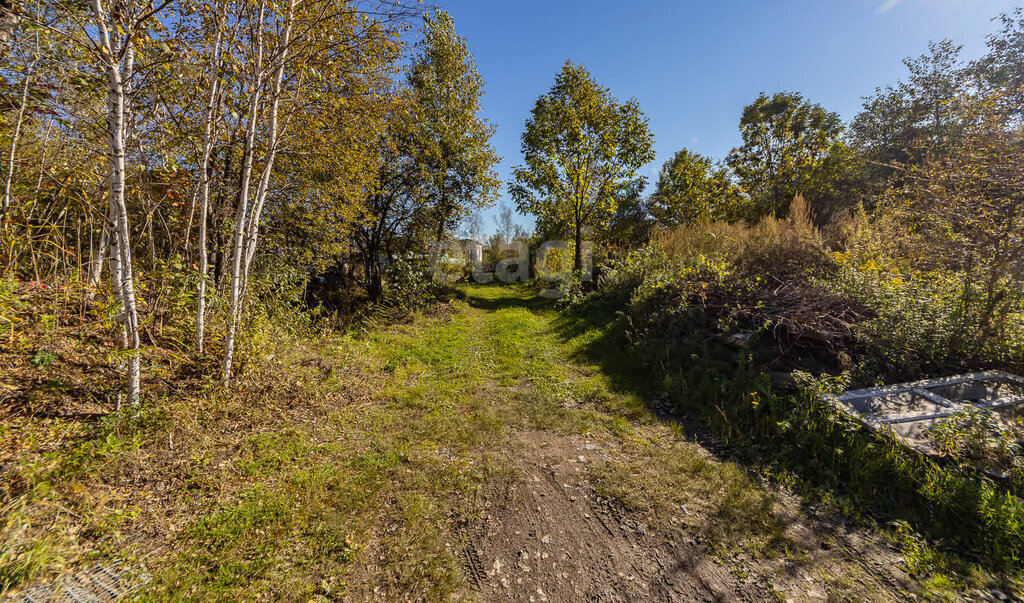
x,y
693,65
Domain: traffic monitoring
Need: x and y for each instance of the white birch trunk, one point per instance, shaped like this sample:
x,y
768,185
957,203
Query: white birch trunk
x,y
15,137
204,186
96,261
120,236
241,211
114,259
246,239
252,234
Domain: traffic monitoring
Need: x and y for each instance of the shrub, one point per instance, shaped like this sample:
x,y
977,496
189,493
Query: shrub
x,y
719,308
409,283
619,279
722,278
975,437
930,321
44,358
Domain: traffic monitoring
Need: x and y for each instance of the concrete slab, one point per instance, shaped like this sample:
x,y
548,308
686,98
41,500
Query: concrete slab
x,y
911,410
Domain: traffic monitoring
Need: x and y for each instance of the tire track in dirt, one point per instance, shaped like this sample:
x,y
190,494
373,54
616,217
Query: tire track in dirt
x,y
549,537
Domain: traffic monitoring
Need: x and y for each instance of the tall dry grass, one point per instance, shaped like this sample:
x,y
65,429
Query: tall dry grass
x,y
773,243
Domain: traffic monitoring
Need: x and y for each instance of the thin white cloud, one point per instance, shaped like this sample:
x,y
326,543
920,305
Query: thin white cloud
x,y
887,6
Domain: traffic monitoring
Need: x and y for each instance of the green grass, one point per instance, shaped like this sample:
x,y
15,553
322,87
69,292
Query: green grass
x,y
342,466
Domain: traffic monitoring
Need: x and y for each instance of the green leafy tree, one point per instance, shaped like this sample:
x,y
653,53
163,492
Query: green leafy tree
x,y
902,124
964,210
630,227
1001,70
580,146
338,122
394,210
691,187
790,146
454,148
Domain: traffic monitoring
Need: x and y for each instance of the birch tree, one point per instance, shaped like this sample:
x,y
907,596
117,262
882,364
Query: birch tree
x,y
302,43
214,19
243,215
116,29
23,102
9,20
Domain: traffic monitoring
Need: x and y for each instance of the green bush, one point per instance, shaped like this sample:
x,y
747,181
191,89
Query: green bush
x,y
409,283
974,437
44,358
832,458
684,297
928,323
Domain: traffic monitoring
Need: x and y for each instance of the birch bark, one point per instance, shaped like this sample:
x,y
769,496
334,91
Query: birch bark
x,y
242,209
16,136
213,93
247,229
117,61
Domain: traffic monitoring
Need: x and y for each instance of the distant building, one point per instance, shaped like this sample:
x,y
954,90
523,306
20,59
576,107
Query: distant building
x,y
474,252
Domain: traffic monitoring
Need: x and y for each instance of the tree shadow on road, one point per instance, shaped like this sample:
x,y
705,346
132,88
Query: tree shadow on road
x,y
605,345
